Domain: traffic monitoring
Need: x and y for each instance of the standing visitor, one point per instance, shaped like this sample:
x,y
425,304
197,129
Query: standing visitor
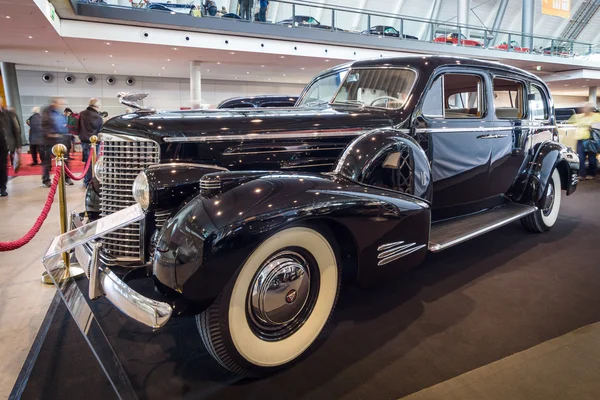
x,y
90,123
196,12
262,12
246,9
584,123
36,137
10,140
54,127
211,8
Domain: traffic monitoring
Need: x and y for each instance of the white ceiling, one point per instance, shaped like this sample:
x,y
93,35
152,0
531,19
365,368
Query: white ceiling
x,y
47,50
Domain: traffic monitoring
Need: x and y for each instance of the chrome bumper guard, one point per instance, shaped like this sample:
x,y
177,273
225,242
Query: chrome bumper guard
x,y
103,281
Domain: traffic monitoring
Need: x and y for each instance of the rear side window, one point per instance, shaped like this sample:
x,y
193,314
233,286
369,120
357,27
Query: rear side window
x,y
455,96
508,98
538,104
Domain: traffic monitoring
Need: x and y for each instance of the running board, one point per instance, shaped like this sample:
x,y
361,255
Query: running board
x,y
449,233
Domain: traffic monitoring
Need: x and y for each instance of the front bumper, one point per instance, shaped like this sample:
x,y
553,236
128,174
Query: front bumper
x,y
103,281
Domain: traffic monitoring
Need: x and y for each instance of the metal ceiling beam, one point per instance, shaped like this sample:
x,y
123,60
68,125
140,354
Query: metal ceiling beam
x,y
429,30
498,21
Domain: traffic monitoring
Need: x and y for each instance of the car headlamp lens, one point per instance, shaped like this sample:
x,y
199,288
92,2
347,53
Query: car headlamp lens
x,y
99,169
141,190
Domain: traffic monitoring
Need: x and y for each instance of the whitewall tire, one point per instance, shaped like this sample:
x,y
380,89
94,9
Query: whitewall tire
x,y
277,305
545,218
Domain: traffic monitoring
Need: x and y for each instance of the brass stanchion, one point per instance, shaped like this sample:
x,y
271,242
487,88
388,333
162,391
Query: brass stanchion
x,y
68,271
93,141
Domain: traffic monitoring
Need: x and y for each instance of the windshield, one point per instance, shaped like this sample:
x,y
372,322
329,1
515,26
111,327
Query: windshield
x,y
322,90
387,88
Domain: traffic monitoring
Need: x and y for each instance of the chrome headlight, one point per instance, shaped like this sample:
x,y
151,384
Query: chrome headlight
x,y
99,168
141,190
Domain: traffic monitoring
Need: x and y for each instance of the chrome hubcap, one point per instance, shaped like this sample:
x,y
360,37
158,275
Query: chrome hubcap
x,y
279,292
549,199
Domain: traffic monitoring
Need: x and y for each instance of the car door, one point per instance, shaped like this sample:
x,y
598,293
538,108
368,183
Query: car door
x,y
508,141
454,118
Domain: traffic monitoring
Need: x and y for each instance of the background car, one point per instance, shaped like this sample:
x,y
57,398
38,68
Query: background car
x,y
266,101
514,46
171,7
383,30
452,38
306,21
561,51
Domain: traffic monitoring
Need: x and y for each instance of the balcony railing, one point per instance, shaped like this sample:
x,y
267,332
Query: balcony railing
x,y
309,15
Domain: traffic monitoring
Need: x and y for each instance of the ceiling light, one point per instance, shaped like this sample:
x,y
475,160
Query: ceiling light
x,y
113,65
110,55
163,67
326,60
247,72
108,43
30,37
208,70
114,72
172,12
283,74
281,56
159,74
567,85
175,48
538,67
231,52
168,59
8,16
262,66
66,69
218,62
302,68
236,77
45,51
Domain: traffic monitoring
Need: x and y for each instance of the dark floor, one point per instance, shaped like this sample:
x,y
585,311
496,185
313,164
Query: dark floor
x,y
476,303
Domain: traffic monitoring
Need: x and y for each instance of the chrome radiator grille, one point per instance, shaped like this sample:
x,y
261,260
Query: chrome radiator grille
x,y
123,158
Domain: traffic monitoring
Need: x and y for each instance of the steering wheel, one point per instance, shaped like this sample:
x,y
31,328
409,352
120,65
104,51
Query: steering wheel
x,y
385,98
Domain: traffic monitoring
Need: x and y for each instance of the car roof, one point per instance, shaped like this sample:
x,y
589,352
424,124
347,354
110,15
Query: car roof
x,y
431,62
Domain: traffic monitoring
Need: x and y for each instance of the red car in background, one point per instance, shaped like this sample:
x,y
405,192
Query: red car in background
x,y
514,46
452,38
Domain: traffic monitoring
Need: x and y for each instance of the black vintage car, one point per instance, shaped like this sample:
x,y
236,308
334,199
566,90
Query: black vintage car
x,y
263,101
250,217
306,21
384,30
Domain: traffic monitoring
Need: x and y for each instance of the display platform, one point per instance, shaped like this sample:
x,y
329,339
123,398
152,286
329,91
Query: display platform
x,y
476,303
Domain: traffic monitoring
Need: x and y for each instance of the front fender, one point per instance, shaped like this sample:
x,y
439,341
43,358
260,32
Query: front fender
x,y
203,246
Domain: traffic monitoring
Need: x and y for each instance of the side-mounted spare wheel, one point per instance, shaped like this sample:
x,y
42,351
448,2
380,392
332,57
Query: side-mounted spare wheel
x,y
277,305
545,217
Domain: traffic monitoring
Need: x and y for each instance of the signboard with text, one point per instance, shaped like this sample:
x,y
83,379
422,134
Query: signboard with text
x,y
558,8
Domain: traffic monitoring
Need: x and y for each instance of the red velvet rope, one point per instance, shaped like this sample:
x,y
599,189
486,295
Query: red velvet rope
x,y
8,246
80,177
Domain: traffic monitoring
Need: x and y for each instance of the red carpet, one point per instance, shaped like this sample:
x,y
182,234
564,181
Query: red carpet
x,y
75,165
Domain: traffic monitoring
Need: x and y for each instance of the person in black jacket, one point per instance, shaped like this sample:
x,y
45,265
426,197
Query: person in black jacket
x,y
36,136
90,123
10,140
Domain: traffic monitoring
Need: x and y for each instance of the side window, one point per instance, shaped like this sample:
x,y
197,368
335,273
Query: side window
x,y
538,104
508,99
455,96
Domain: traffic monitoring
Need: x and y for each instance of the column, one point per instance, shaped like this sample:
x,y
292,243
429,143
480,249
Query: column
x,y
195,84
463,15
527,23
11,91
593,93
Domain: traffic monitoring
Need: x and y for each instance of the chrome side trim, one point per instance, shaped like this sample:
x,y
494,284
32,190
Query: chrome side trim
x,y
187,164
248,153
263,136
306,166
393,251
149,312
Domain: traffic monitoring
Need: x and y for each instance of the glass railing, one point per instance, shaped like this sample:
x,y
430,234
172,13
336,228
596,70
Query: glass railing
x,y
309,15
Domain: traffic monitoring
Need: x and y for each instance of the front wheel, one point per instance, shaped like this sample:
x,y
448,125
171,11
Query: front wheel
x,y
545,218
276,307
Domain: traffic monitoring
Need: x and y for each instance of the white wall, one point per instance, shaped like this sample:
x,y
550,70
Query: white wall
x,y
164,93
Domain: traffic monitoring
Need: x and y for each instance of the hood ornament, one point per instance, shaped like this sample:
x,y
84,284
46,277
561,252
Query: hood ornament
x,y
132,99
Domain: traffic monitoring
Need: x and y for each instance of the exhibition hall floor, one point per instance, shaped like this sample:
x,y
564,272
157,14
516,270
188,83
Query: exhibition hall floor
x,y
509,315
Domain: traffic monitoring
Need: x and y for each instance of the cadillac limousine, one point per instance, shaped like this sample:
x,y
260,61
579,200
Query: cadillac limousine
x,y
250,217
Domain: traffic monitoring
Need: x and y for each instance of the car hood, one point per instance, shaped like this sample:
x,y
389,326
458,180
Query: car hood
x,y
205,123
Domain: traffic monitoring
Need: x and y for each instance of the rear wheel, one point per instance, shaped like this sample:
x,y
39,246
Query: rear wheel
x,y
277,305
545,217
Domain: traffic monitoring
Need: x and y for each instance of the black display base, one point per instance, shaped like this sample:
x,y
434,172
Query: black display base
x,y
464,308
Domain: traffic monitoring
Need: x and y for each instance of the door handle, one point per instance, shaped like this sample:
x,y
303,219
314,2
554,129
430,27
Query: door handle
x,y
491,136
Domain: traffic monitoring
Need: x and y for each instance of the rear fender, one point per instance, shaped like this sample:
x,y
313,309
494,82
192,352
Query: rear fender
x,y
203,246
548,156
